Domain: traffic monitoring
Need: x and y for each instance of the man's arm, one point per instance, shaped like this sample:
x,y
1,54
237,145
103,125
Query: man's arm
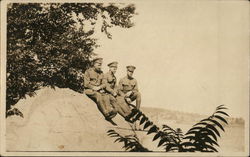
x,y
108,86
136,89
120,88
87,80
103,85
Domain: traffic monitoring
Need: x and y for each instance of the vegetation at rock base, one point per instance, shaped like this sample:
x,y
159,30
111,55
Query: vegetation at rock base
x,y
202,137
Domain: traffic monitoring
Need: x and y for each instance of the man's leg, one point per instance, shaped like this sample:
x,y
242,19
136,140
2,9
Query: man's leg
x,y
124,109
97,98
109,109
136,96
117,107
114,103
103,105
92,95
101,102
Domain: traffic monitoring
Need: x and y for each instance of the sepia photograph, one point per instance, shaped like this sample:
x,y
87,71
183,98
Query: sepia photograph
x,y
125,78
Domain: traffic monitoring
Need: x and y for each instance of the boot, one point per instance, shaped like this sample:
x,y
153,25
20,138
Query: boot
x,y
112,114
128,119
111,121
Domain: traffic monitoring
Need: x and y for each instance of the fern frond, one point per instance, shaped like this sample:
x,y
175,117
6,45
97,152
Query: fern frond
x,y
221,112
221,107
154,128
220,118
147,124
209,132
211,127
143,120
137,117
211,148
196,128
208,139
163,140
159,134
216,123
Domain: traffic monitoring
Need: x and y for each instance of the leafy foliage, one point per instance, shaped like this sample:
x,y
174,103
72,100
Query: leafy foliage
x,y
201,137
131,142
14,111
48,44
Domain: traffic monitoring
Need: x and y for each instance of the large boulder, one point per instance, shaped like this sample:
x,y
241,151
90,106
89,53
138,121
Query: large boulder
x,y
61,120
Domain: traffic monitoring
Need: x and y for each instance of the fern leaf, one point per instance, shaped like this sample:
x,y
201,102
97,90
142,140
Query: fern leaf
x,y
161,142
152,129
170,147
201,122
189,137
130,146
209,132
216,123
218,107
143,120
221,108
118,139
212,148
157,136
137,117
110,131
196,128
115,135
211,141
187,144
166,127
221,118
222,113
191,132
213,129
147,124
133,113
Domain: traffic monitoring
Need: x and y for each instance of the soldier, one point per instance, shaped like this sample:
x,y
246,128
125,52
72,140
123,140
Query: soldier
x,y
111,88
110,79
128,87
128,92
94,89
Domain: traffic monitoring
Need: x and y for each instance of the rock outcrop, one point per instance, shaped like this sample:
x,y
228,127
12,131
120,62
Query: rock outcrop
x,y
60,120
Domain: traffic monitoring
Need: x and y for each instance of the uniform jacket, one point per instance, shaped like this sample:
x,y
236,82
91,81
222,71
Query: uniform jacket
x,y
110,81
93,78
126,85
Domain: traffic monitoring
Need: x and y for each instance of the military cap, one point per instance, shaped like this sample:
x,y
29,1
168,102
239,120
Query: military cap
x,y
97,60
113,64
131,68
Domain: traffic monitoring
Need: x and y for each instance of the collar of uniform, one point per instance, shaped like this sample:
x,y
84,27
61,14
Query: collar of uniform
x,y
111,73
97,71
131,78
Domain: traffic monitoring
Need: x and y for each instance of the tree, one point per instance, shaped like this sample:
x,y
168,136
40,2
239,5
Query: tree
x,y
47,44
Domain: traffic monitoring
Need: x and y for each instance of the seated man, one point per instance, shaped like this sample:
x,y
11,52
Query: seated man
x,y
111,88
128,91
94,89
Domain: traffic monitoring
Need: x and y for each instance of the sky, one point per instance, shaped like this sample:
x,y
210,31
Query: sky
x,y
189,56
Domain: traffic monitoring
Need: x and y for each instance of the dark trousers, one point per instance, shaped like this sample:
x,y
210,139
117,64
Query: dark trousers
x,y
102,100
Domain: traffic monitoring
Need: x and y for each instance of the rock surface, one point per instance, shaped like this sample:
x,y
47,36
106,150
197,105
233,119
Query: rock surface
x,y
60,120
